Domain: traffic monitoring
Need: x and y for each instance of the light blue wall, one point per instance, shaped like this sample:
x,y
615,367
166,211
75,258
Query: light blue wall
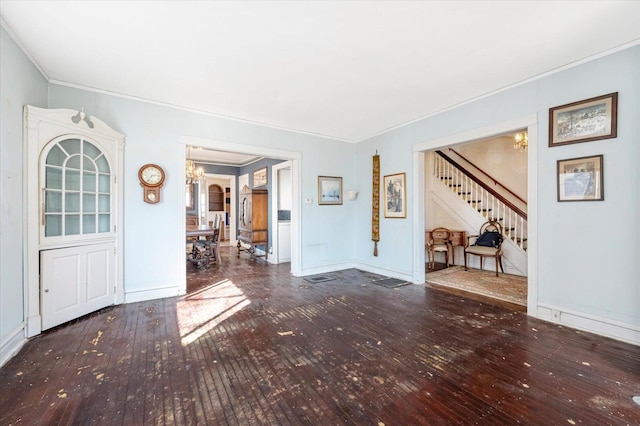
x,y
20,84
588,251
152,136
579,269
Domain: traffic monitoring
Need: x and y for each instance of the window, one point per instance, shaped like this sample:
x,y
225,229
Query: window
x,y
77,190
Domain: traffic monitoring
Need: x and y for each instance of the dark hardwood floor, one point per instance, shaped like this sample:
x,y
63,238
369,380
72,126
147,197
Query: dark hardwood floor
x,y
252,345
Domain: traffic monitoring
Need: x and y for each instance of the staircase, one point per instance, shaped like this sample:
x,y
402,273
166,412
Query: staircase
x,y
471,196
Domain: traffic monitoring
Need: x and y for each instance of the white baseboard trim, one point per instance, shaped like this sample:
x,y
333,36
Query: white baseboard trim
x,y
151,293
11,344
618,330
332,267
329,267
393,273
34,325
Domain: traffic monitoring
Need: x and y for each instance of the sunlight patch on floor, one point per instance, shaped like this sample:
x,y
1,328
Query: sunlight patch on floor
x,y
203,310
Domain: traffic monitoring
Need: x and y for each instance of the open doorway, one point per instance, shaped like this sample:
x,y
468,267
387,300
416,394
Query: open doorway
x,y
281,206
260,154
432,209
217,193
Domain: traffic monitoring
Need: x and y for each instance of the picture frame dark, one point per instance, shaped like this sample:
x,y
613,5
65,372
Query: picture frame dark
x,y
581,179
260,177
583,121
395,195
329,190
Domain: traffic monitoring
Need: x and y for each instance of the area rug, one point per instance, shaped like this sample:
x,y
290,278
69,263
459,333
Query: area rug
x,y
506,287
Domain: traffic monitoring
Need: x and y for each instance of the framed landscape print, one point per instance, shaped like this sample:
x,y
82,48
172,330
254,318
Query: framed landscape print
x,y
583,121
329,190
260,177
581,179
395,195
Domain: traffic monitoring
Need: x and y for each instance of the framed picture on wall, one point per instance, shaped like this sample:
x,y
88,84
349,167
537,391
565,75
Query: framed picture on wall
x,y
581,179
583,121
395,195
329,190
260,177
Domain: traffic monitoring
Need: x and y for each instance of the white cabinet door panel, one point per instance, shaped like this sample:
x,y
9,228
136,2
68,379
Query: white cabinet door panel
x,y
76,281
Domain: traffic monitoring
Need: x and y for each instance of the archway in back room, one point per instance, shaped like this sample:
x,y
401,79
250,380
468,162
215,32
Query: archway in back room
x,y
419,153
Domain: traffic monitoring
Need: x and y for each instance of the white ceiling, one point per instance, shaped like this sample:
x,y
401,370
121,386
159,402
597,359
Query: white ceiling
x,y
223,158
347,70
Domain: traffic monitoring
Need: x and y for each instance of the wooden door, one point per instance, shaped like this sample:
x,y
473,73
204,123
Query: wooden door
x,y
76,281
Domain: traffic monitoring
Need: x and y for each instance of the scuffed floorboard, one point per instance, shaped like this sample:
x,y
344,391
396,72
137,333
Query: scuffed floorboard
x,y
251,345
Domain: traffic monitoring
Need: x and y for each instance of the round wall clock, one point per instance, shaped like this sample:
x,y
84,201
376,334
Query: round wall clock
x,y
151,179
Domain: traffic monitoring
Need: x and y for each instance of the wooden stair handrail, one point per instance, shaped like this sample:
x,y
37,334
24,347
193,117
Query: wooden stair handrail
x,y
488,175
484,185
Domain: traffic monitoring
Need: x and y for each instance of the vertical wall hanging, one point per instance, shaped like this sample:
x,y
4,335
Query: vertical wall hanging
x,y
375,210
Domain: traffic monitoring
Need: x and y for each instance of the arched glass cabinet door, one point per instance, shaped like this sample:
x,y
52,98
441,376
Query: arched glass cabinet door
x,y
77,190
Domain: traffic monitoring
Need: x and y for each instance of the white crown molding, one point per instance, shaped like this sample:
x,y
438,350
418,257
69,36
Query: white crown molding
x,y
512,86
17,41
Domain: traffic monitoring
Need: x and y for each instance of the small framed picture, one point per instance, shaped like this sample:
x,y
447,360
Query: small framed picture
x,y
395,195
260,177
584,121
581,179
329,190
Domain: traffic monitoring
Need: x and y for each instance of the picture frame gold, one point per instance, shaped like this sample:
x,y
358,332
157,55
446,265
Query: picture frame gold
x,y
395,195
583,121
260,177
581,179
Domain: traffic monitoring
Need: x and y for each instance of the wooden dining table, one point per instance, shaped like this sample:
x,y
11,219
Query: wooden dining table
x,y
211,235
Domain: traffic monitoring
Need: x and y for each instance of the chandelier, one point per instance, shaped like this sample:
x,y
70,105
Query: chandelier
x,y
521,141
191,172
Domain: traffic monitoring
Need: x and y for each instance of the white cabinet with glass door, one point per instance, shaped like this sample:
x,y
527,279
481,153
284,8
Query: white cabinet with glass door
x,y
74,205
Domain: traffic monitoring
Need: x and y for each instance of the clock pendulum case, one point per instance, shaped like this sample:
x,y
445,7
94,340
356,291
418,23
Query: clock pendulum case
x,y
151,179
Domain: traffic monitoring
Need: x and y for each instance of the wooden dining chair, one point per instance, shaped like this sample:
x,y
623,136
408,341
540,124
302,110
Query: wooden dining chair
x,y
214,245
488,243
438,241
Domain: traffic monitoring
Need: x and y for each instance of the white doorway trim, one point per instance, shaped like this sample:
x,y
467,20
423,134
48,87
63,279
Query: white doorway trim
x,y
531,123
275,197
296,159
